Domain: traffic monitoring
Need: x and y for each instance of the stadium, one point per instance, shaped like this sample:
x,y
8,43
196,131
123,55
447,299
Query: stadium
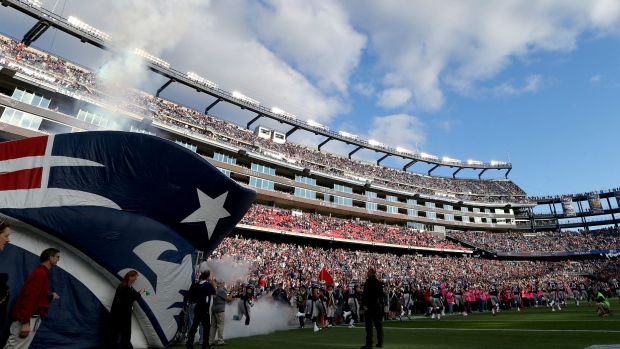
x,y
313,211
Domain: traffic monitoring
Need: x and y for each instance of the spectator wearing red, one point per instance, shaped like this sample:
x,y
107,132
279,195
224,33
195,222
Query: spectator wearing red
x,y
32,302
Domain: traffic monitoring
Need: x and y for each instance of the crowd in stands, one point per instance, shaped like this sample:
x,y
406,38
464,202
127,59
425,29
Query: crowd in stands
x,y
293,264
550,241
548,197
81,81
327,226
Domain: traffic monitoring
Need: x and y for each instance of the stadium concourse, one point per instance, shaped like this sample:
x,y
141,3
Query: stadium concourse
x,y
470,270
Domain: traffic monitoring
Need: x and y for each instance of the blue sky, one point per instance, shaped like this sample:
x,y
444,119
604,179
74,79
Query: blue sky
x,y
468,80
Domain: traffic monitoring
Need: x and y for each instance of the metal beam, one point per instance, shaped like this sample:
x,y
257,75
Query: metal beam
x,y
290,132
507,172
483,171
382,158
163,87
432,169
212,105
354,151
35,32
455,172
324,142
252,121
409,165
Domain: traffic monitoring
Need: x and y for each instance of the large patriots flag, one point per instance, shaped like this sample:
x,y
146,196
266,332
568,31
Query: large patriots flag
x,y
112,202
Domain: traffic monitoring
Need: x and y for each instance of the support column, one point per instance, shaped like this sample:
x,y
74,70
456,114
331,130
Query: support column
x,y
324,142
212,105
163,87
252,121
455,172
382,158
354,151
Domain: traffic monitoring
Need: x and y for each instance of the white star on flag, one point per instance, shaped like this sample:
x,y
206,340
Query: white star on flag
x,y
210,211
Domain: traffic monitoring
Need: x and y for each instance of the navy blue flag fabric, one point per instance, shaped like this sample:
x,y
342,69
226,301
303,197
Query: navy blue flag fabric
x,y
114,201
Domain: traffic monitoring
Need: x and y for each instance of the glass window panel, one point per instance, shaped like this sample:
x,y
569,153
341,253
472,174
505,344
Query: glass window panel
x,y
27,98
89,118
18,94
26,120
36,122
36,99
45,103
17,117
96,120
81,115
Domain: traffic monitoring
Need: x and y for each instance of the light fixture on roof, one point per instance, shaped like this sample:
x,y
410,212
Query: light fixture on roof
x,y
244,98
403,150
447,159
75,22
201,80
317,125
281,112
348,135
151,58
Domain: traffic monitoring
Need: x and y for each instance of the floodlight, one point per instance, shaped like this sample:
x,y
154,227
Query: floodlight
x,y
244,98
201,80
151,58
373,142
281,112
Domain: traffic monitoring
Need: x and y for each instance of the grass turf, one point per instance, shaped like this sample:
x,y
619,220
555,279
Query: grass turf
x,y
573,327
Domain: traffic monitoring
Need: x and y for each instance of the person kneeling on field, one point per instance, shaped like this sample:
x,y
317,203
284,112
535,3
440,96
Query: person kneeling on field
x,y
602,303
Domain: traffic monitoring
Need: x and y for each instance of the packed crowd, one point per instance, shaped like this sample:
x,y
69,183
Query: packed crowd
x,y
601,191
293,265
316,224
82,81
550,241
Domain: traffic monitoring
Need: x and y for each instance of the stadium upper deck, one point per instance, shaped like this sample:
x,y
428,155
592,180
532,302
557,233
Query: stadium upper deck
x,y
77,80
286,173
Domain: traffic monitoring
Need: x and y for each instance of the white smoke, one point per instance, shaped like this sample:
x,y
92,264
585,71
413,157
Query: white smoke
x,y
267,317
155,26
227,269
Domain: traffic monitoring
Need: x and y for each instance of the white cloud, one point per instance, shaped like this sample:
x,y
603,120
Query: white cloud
x,y
532,84
398,130
596,79
456,44
394,97
221,41
314,35
364,89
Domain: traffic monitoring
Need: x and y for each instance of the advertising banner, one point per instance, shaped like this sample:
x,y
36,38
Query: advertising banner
x,y
567,206
595,204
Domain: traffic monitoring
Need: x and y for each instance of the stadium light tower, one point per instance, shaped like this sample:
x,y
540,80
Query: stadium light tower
x,y
150,57
75,22
244,98
35,3
281,112
201,80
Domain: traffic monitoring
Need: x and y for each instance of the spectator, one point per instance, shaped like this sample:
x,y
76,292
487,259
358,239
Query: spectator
x,y
218,317
279,295
200,293
120,314
33,301
5,231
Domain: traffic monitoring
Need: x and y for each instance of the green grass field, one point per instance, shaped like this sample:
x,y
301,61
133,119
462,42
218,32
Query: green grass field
x,y
573,327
